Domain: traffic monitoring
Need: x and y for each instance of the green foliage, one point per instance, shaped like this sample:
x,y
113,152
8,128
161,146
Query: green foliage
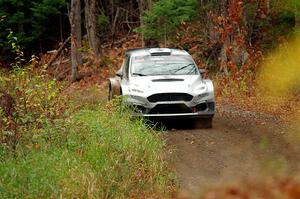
x,y
295,6
102,21
99,153
36,100
42,12
165,16
288,10
282,24
16,49
31,21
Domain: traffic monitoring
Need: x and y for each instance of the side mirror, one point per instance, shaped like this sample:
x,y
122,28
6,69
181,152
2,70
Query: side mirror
x,y
119,73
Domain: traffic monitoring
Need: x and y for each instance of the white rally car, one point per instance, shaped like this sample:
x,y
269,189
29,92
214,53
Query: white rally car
x,y
164,83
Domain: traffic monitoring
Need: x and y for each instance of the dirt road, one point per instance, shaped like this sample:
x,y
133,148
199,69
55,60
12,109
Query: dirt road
x,y
240,144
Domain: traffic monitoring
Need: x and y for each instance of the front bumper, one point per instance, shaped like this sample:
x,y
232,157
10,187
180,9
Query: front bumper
x,y
179,115
202,110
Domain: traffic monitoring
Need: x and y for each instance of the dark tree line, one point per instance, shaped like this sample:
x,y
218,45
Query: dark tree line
x,y
40,25
37,25
228,29
102,20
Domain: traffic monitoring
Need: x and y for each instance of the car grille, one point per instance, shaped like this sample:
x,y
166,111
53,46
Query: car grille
x,y
170,109
170,97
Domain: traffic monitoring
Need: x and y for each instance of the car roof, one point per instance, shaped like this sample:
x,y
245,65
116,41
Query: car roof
x,y
156,51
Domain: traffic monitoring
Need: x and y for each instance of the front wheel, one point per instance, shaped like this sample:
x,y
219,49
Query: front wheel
x,y
113,91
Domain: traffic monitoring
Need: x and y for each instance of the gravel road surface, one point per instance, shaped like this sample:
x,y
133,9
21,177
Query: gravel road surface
x,y
240,144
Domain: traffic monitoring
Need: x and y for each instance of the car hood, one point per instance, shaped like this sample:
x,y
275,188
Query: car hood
x,y
164,84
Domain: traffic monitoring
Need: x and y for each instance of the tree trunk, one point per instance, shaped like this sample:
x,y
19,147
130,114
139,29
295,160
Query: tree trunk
x,y
92,26
224,58
75,22
233,55
268,7
223,53
142,8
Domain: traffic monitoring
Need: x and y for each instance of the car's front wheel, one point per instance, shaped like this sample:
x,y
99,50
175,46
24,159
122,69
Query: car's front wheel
x,y
114,90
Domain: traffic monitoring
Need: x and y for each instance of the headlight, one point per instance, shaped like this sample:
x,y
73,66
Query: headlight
x,y
200,97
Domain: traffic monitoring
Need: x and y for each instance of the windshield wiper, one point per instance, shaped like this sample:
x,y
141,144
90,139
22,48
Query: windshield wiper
x,y
183,67
174,72
139,74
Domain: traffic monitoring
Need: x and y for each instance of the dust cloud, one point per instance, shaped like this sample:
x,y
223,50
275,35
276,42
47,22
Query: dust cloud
x,y
279,78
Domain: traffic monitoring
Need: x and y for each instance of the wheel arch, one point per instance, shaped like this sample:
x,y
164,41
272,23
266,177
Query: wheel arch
x,y
114,88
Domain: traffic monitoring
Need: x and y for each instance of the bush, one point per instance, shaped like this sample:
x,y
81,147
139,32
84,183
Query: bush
x,y
36,99
165,16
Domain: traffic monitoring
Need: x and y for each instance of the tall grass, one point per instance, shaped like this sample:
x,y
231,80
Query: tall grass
x,y
99,153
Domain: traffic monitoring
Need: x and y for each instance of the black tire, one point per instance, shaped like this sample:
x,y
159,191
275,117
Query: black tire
x,y
203,123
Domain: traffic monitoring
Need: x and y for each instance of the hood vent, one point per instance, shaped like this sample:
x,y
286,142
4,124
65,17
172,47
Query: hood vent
x,y
168,80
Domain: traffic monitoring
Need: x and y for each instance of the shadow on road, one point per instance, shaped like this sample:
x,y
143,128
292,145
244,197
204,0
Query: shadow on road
x,y
172,124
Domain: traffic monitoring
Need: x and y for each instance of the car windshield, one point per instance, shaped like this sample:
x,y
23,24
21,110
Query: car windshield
x,y
163,65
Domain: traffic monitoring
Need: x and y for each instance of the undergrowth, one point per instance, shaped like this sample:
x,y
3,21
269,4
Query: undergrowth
x,y
93,154
53,146
32,99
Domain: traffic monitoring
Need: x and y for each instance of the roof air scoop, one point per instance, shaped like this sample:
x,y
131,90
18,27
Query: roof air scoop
x,y
160,51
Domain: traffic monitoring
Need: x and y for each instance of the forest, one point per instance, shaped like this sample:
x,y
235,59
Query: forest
x,y
59,137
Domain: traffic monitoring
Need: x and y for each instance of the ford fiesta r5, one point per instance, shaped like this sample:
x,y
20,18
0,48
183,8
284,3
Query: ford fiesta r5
x,y
164,83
